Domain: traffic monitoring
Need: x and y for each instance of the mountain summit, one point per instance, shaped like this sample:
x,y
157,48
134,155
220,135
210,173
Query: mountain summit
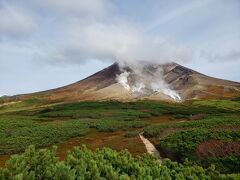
x,y
168,82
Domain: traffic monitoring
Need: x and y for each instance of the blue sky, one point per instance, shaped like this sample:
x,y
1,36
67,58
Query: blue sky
x,y
51,43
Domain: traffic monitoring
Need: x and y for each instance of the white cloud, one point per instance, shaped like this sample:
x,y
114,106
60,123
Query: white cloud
x,y
119,41
85,33
221,49
82,38
15,21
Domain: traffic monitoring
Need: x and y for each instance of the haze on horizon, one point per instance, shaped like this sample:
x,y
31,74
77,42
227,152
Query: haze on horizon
x,y
52,43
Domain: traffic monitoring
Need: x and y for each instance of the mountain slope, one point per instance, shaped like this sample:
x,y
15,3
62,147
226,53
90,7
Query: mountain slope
x,y
105,85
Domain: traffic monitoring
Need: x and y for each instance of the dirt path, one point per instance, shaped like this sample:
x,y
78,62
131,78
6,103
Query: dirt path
x,y
151,149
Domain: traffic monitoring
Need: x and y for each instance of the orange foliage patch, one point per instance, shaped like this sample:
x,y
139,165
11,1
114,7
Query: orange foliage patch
x,y
114,140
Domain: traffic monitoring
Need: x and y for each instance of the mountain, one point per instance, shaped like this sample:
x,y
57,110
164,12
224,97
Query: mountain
x,y
166,82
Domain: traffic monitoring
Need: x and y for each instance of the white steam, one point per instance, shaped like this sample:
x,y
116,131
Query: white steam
x,y
145,80
123,80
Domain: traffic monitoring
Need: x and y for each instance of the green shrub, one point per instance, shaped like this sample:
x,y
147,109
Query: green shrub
x,y
114,125
226,164
103,164
17,133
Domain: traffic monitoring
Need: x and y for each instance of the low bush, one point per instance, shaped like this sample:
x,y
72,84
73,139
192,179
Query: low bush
x,y
17,133
114,125
102,164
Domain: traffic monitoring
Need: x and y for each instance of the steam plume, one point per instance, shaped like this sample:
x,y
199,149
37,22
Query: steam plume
x,y
145,79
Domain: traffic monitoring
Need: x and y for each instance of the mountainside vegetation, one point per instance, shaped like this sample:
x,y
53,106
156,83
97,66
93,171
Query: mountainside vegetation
x,y
205,132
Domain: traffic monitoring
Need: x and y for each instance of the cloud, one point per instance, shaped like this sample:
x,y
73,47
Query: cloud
x,y
221,49
118,41
229,55
20,19
15,21
78,31
85,30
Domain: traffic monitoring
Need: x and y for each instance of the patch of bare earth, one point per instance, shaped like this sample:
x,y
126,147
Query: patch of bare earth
x,y
3,159
217,148
151,149
198,116
159,120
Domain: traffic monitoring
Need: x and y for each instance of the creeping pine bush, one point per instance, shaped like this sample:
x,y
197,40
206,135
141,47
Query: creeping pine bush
x,y
102,164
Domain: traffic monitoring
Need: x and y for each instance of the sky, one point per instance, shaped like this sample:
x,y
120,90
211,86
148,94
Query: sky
x,y
50,43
